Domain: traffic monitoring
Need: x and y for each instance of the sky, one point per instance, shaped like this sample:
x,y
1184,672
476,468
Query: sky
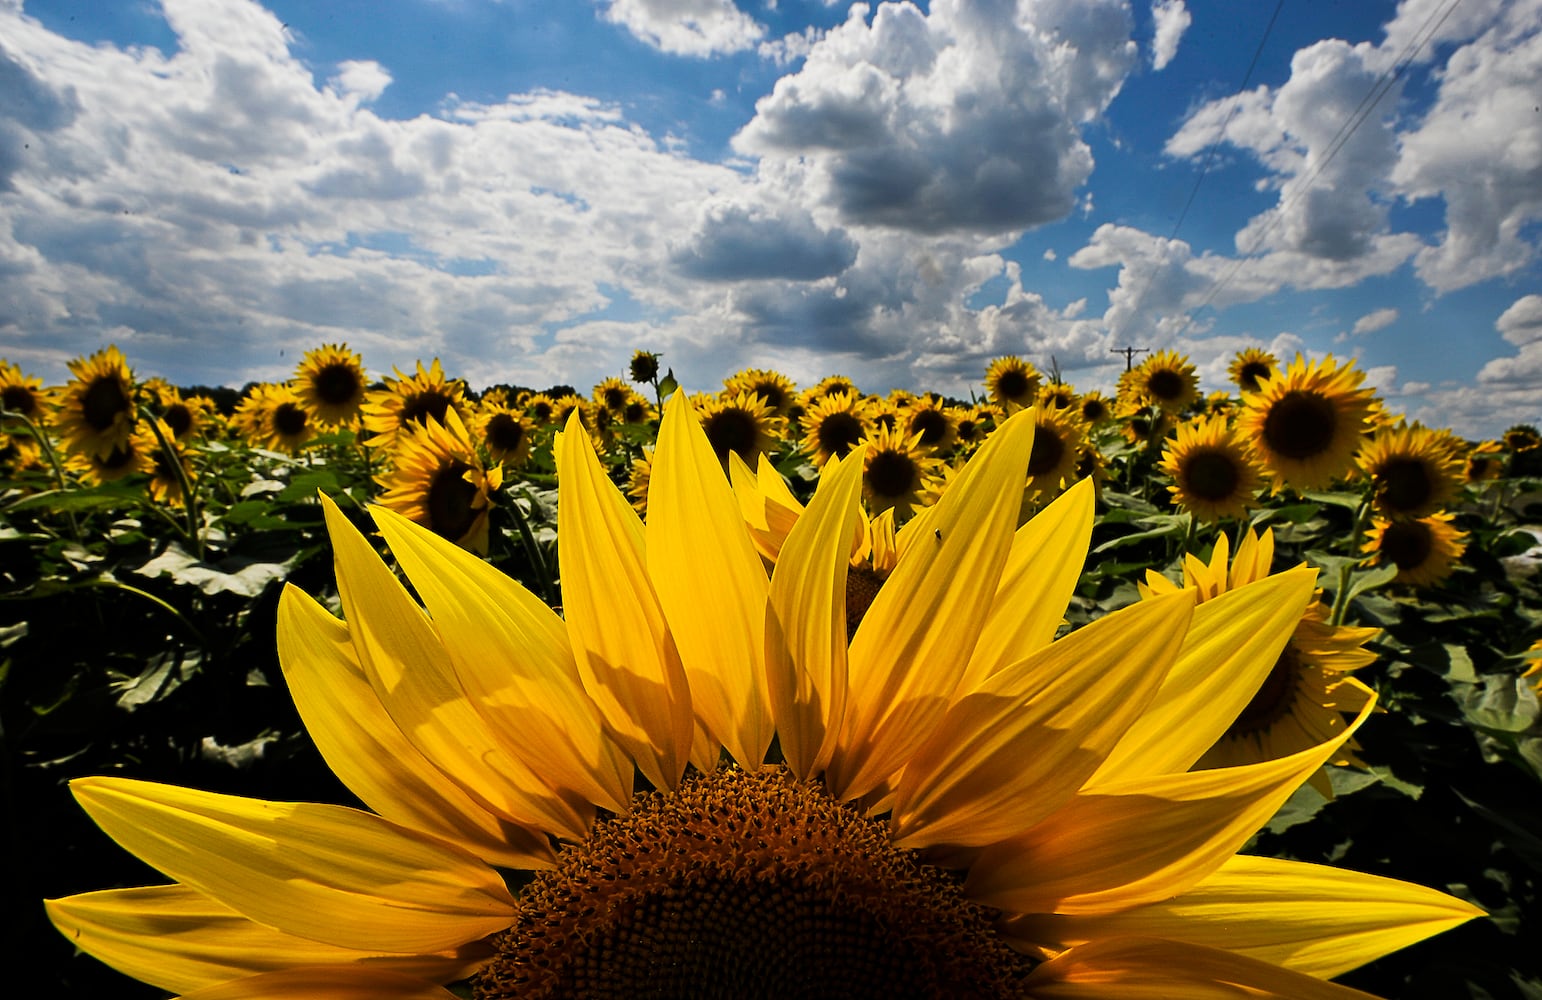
x,y
900,192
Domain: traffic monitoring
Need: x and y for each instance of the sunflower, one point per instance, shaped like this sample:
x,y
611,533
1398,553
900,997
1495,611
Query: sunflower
x,y
1413,472
774,389
928,417
1484,462
20,453
644,366
331,384
23,395
1522,437
1220,403
613,395
132,456
1533,657
831,385
1057,443
638,411
504,433
95,412
541,408
742,423
1306,423
968,427
1056,396
487,732
833,425
273,417
1302,699
1213,475
1095,408
1425,550
1251,367
439,482
185,417
895,467
1167,379
1010,379
1143,424
407,400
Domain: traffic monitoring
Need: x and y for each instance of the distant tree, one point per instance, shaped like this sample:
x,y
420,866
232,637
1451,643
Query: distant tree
x,y
558,391
223,396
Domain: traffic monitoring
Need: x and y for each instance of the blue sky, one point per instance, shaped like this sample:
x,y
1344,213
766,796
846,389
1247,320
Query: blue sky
x,y
899,192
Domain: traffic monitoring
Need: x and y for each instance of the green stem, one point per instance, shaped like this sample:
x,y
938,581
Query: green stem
x,y
538,559
189,498
53,461
1341,597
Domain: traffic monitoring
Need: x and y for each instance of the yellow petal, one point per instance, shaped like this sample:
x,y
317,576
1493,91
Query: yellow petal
x,y
363,746
511,654
1042,569
180,940
1316,920
1007,754
415,681
1136,842
711,584
327,983
621,642
1153,969
328,873
806,637
909,654
1233,643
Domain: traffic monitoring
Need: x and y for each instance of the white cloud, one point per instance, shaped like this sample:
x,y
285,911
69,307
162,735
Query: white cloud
x,y
1475,147
1521,324
362,79
1373,321
697,28
790,47
963,119
1172,19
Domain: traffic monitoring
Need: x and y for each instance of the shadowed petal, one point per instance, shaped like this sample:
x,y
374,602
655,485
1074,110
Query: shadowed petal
x,y
328,873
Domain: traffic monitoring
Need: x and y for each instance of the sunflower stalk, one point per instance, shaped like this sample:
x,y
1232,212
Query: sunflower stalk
x,y
538,560
1341,596
189,499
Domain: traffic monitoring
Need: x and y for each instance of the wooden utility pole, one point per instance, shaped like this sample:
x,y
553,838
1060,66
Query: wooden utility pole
x,y
1129,354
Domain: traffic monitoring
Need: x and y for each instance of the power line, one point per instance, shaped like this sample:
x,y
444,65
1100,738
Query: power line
x,y
1346,131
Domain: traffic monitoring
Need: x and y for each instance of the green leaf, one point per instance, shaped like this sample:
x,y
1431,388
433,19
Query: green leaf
x,y
1362,580
232,575
1505,704
668,385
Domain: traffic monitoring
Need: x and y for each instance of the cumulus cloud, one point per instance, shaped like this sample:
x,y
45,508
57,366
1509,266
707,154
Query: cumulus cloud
x,y
362,79
1373,321
697,28
1339,163
965,118
1171,19
735,242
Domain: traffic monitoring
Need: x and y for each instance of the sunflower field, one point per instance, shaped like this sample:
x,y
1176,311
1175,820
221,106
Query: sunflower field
x,y
335,687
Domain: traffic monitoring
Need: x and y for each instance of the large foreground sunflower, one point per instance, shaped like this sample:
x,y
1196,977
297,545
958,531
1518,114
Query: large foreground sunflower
x,y
1306,693
956,807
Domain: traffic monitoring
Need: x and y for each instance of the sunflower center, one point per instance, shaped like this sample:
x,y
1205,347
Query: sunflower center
x,y
451,502
892,474
18,399
1250,375
838,433
930,424
1300,425
504,433
179,418
1211,475
541,412
1407,543
1166,384
1273,698
417,407
746,885
101,403
336,384
615,397
1013,384
732,429
1405,485
772,394
862,586
636,411
289,419
1048,450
